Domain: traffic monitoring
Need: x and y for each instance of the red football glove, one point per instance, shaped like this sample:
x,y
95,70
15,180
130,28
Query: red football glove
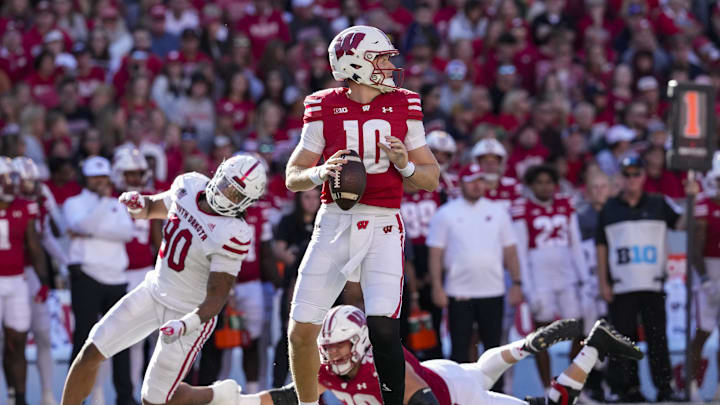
x,y
42,295
133,201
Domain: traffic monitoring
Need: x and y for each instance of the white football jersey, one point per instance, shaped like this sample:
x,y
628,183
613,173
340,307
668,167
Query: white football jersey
x,y
195,243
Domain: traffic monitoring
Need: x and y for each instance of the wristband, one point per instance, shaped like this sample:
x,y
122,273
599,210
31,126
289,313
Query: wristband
x,y
408,170
315,176
191,321
252,399
134,210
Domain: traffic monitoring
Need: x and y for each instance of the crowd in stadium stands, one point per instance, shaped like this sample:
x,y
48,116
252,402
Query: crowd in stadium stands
x,y
577,85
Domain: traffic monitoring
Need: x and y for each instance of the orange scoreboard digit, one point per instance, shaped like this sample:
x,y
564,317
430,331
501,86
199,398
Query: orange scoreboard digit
x,y
692,123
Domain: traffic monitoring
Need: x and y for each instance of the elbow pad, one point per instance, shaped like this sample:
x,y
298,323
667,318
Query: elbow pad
x,y
423,396
284,396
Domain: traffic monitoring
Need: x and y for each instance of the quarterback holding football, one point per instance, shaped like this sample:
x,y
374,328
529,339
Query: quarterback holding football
x,y
375,122
205,240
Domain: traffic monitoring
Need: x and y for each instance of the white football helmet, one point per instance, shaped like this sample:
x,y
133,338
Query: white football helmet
x,y
8,181
28,173
489,146
441,141
353,56
237,183
129,160
710,180
344,323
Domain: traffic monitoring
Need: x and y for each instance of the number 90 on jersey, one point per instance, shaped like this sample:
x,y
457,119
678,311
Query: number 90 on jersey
x,y
692,125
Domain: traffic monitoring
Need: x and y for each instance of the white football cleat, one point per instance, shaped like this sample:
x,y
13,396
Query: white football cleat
x,y
225,392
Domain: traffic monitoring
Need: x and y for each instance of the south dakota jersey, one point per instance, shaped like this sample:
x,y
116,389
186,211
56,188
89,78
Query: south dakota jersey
x,y
194,244
549,241
333,122
365,389
708,210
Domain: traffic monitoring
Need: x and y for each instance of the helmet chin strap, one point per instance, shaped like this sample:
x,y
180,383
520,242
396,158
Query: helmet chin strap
x,y
343,368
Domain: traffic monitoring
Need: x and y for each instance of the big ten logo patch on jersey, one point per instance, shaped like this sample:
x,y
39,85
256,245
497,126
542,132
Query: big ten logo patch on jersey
x,y
362,224
637,255
340,110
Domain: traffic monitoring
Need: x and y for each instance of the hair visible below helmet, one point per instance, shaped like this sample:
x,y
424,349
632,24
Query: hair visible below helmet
x,y
7,183
129,160
489,146
28,174
441,141
344,323
353,55
237,183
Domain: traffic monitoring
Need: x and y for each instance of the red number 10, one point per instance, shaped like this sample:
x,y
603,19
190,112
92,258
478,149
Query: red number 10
x,y
184,235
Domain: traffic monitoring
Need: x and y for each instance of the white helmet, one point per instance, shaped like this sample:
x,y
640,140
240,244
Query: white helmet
x,y
441,141
8,184
353,56
710,184
344,323
489,146
29,174
237,183
129,160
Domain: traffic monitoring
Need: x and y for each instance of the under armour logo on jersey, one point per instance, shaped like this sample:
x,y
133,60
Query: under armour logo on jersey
x,y
362,386
387,109
212,227
387,229
366,108
362,224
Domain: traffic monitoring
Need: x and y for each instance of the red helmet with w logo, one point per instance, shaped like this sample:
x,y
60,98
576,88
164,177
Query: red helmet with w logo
x,y
344,323
354,53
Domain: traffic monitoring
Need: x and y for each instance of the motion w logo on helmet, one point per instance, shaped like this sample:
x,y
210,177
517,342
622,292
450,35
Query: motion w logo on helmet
x,y
348,43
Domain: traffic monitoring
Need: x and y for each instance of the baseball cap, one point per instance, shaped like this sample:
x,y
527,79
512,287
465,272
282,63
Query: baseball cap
x,y
631,161
221,141
619,133
157,11
302,3
647,83
80,48
456,69
42,6
189,33
53,36
96,166
472,172
173,56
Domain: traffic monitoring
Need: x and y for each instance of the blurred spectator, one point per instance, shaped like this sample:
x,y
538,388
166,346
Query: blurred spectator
x,y
180,16
470,260
528,151
351,15
195,109
120,41
70,20
618,139
659,179
63,180
305,25
457,90
264,25
468,23
162,41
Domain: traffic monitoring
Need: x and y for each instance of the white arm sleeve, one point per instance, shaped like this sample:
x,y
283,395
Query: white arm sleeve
x,y
224,264
311,137
415,137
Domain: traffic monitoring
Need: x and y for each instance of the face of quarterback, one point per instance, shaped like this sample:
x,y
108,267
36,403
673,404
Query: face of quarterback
x,y
491,163
383,62
543,187
340,353
133,179
474,190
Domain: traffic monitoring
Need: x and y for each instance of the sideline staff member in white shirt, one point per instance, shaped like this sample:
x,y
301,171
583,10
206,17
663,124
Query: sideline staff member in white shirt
x,y
99,227
473,239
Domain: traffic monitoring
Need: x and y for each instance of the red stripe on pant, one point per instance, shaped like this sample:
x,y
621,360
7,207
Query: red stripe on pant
x,y
396,314
204,335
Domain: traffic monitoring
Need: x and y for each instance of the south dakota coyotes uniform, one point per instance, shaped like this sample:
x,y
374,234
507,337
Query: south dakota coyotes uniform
x,y
195,243
708,311
366,242
551,256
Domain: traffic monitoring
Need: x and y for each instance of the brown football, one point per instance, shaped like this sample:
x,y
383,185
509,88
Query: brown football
x,y
347,188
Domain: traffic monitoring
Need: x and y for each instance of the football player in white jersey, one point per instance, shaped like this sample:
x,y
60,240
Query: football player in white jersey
x,y
205,241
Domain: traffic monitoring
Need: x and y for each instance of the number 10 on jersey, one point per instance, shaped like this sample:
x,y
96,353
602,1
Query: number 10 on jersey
x,y
373,131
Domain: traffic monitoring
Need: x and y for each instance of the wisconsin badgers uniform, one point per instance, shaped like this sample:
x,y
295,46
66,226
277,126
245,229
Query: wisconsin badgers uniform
x,y
508,190
364,243
248,290
550,250
195,243
14,292
417,210
365,389
708,210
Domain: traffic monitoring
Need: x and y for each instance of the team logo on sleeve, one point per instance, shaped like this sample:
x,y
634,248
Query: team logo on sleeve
x,y
181,193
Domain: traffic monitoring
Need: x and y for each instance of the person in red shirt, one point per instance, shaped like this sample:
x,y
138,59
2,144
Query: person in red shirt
x,y
43,81
529,151
15,60
19,245
237,102
63,180
660,179
265,25
348,366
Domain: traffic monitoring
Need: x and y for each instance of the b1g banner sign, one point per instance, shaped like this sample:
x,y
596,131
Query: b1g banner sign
x,y
692,126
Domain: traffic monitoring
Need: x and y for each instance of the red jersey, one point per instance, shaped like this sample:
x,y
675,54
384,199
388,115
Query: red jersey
x,y
139,249
88,82
261,29
239,111
43,89
708,210
13,224
16,64
547,225
255,216
364,388
507,191
351,125
62,193
417,210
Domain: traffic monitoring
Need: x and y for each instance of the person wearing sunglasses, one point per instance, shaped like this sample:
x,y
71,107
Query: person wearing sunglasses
x,y
630,242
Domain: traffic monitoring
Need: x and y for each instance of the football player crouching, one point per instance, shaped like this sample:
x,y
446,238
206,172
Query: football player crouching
x,y
205,242
348,369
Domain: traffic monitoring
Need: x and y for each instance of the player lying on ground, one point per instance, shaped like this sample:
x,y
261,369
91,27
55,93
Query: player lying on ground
x,y
348,369
205,241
